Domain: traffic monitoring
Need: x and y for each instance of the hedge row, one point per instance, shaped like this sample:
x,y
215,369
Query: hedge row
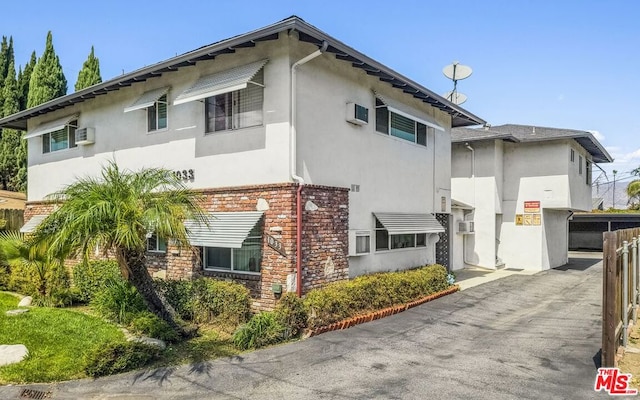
x,y
340,300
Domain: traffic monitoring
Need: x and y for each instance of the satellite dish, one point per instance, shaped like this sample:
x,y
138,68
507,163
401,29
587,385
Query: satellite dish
x,y
457,71
455,97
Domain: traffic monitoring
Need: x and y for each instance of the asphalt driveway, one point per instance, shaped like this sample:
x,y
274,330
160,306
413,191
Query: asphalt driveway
x,y
521,337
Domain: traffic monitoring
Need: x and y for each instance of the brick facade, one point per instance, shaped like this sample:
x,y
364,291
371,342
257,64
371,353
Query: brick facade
x,y
324,238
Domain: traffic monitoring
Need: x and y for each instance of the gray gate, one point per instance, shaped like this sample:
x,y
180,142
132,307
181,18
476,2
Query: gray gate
x,y
443,247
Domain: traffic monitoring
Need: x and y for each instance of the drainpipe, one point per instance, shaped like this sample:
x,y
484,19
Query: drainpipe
x,y
292,162
473,177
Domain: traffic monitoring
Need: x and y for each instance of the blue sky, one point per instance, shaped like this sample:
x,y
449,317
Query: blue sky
x,y
567,64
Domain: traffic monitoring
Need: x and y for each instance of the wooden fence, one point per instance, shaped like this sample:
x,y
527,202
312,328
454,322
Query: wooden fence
x,y
11,220
619,290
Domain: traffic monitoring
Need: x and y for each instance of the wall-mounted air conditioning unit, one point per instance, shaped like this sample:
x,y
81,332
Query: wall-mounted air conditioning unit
x,y
85,136
465,227
357,114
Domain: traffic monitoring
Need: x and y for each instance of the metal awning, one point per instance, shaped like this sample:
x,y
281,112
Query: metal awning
x,y
147,100
51,126
399,223
221,82
33,223
226,229
406,111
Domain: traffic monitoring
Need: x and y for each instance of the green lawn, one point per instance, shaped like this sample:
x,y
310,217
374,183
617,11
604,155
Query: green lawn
x,y
57,340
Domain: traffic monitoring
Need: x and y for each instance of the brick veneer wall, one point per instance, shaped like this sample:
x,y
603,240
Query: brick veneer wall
x,y
324,238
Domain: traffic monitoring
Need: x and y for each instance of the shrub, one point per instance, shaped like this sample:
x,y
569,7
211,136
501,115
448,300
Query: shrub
x,y
4,277
47,283
148,324
89,277
118,301
344,299
262,330
208,300
292,314
116,357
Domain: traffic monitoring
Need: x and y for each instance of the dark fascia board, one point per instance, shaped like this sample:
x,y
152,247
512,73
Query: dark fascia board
x,y
500,136
460,117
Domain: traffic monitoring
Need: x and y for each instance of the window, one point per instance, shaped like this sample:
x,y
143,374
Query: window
x,y
156,244
588,172
402,127
64,138
384,241
580,165
238,109
157,115
246,259
573,155
363,242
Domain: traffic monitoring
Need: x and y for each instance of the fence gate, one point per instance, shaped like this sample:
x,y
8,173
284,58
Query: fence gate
x,y
620,284
443,248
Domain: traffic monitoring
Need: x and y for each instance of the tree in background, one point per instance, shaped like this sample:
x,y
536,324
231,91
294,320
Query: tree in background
x,y
47,80
11,139
633,191
6,57
24,76
89,75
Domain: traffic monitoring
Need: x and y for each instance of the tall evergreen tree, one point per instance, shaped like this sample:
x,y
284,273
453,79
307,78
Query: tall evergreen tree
x,y
11,139
24,76
4,65
47,80
89,75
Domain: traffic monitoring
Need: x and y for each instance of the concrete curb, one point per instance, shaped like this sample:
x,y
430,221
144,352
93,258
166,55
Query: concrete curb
x,y
385,312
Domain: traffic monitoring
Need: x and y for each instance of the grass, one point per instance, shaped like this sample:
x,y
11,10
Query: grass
x,y
57,339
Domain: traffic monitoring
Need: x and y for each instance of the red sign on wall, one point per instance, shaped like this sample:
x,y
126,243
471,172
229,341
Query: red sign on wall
x,y
532,206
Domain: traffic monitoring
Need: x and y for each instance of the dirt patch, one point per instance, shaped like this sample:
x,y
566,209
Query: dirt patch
x,y
630,362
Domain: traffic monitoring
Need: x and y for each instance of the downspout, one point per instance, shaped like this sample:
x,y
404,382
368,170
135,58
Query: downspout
x,y
292,162
473,177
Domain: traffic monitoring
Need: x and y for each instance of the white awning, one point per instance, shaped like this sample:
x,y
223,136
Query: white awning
x,y
221,82
406,111
147,100
399,223
51,126
226,229
33,223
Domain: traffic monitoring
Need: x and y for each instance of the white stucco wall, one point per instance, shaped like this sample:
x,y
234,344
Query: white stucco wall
x,y
393,174
254,155
506,176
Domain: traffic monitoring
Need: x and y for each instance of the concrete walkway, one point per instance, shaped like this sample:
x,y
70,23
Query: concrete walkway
x,y
519,337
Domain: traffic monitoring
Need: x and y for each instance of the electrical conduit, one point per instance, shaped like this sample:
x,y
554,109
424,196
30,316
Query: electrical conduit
x,y
292,162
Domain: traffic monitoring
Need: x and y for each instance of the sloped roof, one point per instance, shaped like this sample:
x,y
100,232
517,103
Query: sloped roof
x,y
529,133
306,33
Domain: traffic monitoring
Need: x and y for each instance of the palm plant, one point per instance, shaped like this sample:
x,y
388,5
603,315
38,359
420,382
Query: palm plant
x,y
115,213
633,192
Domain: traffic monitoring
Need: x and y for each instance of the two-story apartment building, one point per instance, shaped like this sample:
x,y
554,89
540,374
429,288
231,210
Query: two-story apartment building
x,y
514,187
317,162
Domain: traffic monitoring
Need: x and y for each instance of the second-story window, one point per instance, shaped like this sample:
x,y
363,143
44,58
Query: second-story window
x,y
154,102
400,126
157,115
580,165
238,109
64,138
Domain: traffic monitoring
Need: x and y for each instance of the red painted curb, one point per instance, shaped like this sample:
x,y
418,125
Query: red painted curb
x,y
385,312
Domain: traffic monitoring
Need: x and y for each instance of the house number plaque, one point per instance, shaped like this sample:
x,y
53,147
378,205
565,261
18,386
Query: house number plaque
x,y
185,174
276,245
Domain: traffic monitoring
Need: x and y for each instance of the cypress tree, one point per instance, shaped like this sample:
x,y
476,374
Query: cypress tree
x,y
24,76
89,75
47,80
4,65
10,142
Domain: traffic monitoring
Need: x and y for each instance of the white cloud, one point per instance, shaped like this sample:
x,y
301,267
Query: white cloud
x,y
599,136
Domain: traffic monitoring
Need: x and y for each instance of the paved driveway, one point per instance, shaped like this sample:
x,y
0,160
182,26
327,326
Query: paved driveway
x,y
521,337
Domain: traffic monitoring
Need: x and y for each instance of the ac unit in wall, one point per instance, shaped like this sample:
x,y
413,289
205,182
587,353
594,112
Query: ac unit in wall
x,y
85,136
465,227
357,114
